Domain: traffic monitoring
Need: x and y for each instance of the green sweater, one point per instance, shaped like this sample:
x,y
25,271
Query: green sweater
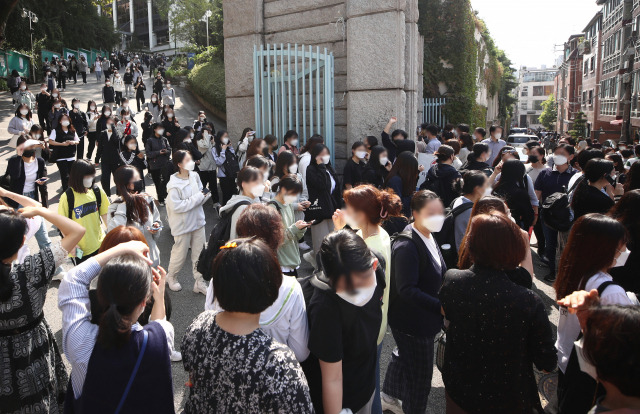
x,y
289,252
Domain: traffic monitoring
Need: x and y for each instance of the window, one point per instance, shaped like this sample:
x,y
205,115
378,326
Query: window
x,y
524,106
537,105
547,76
591,97
584,97
525,91
534,119
593,63
586,68
545,90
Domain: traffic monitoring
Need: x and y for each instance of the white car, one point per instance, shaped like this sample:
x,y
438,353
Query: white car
x,y
518,141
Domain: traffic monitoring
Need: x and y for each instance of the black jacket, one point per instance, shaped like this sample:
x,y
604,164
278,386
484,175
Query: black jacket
x,y
79,121
396,147
440,179
323,201
110,147
171,128
108,94
15,171
474,165
374,176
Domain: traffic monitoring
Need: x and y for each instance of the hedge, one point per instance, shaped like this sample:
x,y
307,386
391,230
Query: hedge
x,y
207,80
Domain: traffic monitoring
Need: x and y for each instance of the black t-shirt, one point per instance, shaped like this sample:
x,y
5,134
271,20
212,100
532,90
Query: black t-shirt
x,y
588,199
352,173
340,331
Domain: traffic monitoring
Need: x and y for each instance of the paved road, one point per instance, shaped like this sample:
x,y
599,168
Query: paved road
x,y
186,304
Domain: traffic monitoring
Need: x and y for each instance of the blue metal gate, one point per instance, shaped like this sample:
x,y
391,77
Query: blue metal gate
x,y
432,111
293,89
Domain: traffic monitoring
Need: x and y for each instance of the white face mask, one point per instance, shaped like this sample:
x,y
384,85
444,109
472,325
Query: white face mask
x,y
109,126
326,159
24,111
124,105
55,95
225,141
108,83
64,123
361,154
622,259
190,165
205,134
127,117
107,113
434,223
498,135
88,182
293,168
161,131
93,108
249,138
294,142
290,199
76,105
132,147
202,118
559,160
384,161
37,136
24,88
362,296
153,99
57,106
169,116
257,190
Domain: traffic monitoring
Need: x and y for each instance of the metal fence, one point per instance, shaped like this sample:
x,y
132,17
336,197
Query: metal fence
x,y
294,89
432,111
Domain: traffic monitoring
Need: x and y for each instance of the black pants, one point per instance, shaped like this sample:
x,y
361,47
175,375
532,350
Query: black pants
x,y
537,230
84,77
80,148
74,76
139,99
118,98
160,179
62,81
93,138
209,178
108,168
98,150
64,167
44,121
228,187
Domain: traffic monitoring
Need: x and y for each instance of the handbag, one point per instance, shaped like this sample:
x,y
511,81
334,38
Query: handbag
x,y
441,344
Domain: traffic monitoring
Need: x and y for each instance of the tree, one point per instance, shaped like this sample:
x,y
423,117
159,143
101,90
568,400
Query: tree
x,y
549,115
579,126
5,11
185,19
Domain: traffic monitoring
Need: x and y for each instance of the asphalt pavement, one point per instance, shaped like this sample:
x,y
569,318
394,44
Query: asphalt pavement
x,y
186,304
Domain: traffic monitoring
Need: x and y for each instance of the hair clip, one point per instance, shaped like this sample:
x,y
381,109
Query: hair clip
x,y
381,213
229,245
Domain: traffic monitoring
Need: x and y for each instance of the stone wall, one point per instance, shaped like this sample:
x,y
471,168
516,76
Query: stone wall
x,y
377,66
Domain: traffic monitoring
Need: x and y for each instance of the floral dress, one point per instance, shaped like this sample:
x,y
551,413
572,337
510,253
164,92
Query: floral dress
x,y
33,378
241,374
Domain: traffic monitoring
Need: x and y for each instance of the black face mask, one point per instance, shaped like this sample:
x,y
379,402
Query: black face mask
x,y
138,186
29,153
533,159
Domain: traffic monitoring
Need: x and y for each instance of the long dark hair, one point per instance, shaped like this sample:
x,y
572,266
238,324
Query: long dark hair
x,y
633,178
626,212
137,206
341,253
217,139
591,232
70,128
315,151
124,283
405,167
312,142
285,159
13,227
512,177
374,158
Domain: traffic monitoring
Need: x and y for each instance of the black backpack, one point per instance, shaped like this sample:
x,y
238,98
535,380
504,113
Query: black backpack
x,y
231,166
556,209
71,200
220,234
446,237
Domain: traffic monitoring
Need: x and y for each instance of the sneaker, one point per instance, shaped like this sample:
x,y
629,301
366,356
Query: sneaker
x,y
176,356
200,286
173,283
309,257
304,246
391,404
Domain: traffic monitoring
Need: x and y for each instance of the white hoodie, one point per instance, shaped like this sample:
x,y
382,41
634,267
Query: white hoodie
x,y
184,204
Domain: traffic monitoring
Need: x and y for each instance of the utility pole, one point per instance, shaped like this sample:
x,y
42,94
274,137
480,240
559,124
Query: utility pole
x,y
205,19
627,59
33,18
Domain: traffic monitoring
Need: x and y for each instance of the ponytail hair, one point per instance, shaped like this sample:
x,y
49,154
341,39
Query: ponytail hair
x,y
469,181
14,227
377,205
123,284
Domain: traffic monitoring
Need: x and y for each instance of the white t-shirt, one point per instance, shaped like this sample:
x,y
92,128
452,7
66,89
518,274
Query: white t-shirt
x,y
568,325
432,246
30,175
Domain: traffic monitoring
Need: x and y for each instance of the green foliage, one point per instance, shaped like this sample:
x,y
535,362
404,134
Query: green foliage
x,y
3,85
478,117
549,115
186,21
579,126
207,80
61,23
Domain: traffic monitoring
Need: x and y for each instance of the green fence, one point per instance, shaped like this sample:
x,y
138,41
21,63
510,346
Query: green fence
x,y
50,55
86,53
66,53
10,61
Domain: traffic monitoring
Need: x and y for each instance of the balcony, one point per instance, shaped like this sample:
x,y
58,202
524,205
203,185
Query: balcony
x,y
609,106
613,19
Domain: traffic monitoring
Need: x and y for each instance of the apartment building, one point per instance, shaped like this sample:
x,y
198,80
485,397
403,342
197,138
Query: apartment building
x,y
534,87
568,83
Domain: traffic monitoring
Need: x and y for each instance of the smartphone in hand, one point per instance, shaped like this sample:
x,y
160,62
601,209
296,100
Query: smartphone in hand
x,y
205,191
43,180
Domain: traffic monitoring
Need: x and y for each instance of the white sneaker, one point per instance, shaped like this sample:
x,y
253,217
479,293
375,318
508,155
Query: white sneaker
x,y
309,257
200,286
389,403
173,283
304,246
176,356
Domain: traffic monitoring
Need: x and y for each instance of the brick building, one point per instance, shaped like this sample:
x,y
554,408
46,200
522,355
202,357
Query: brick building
x,y
591,70
568,83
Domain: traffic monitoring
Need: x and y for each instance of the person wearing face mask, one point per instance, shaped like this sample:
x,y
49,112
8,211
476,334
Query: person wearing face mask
x,y
549,182
199,123
185,139
158,152
135,208
324,194
186,219
97,69
397,141
87,204
146,127
431,139
495,142
43,106
140,87
250,183
109,94
58,109
496,328
20,124
49,80
377,168
594,194
442,175
155,107
287,190
158,85
125,126
579,271
92,127
131,155
207,167
272,143
477,159
354,167
625,211
345,315
248,134
28,174
128,83
64,140
168,94
83,66
109,146
80,123
227,163
417,266
23,96
290,142
513,186
473,186
171,126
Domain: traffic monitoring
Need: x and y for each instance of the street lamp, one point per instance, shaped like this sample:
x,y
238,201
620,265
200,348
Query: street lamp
x,y
205,19
33,18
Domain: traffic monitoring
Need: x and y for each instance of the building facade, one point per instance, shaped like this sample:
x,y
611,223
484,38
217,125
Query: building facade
x,y
568,84
591,70
534,87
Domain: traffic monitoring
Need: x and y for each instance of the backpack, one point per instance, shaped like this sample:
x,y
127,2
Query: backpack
x,y
220,234
446,237
231,166
71,199
556,209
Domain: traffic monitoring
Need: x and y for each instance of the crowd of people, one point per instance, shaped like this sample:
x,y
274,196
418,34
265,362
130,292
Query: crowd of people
x,y
446,265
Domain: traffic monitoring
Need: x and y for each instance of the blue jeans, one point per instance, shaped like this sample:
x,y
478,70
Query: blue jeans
x,y
551,244
377,404
41,235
